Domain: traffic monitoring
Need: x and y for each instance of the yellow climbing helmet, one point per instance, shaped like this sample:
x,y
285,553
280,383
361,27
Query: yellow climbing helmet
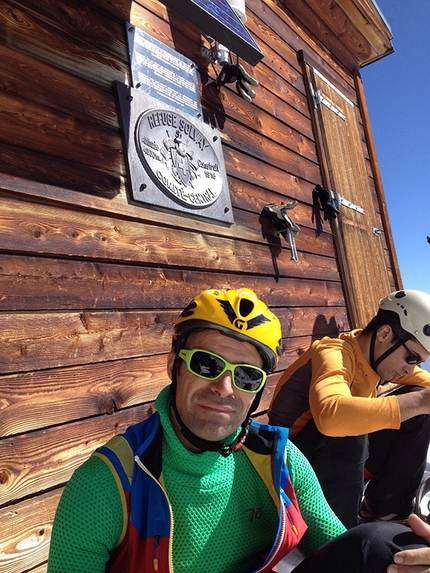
x,y
237,313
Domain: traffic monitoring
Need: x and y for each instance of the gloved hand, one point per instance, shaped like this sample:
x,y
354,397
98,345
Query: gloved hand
x,y
231,73
244,83
228,74
326,202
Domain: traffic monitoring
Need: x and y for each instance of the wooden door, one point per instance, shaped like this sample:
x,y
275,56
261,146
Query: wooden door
x,y
357,237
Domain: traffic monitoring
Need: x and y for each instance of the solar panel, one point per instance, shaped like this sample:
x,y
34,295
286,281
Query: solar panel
x,y
217,19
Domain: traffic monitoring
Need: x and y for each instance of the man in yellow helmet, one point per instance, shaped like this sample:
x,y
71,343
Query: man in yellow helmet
x,y
198,486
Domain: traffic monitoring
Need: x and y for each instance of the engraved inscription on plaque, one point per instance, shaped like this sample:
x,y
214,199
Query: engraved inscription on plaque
x,y
163,73
174,160
179,157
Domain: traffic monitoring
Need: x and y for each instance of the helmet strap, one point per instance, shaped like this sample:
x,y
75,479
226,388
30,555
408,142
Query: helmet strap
x,y
375,363
200,443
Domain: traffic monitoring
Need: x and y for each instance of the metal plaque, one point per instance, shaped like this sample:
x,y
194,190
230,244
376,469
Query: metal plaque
x,y
217,19
163,73
174,160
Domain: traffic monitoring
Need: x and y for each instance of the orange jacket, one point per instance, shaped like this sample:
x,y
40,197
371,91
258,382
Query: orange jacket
x,y
333,383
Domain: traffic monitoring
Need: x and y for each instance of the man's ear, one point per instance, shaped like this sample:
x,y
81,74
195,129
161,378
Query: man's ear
x,y
384,333
170,361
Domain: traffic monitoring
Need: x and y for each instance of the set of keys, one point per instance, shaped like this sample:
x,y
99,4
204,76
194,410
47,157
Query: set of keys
x,y
284,225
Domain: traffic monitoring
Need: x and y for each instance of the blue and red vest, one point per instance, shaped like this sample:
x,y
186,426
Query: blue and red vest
x,y
135,461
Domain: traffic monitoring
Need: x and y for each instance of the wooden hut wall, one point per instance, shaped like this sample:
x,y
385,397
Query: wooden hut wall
x,y
90,283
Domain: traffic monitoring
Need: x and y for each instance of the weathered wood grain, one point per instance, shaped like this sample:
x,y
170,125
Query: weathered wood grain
x,y
57,134
79,22
44,459
55,89
251,142
277,20
41,174
244,167
62,232
26,340
49,340
25,539
36,400
268,116
36,284
244,195
25,33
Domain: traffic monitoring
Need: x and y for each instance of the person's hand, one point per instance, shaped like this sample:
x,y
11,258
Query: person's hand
x,y
413,560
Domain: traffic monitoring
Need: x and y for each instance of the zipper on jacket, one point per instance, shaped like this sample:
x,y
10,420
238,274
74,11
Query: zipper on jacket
x,y
157,537
155,558
293,527
290,519
272,558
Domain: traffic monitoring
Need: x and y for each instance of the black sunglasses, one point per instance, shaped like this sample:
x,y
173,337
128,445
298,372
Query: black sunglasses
x,y
210,366
412,357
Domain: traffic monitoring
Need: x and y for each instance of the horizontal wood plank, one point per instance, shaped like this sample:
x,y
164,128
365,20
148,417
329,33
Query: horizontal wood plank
x,y
62,232
50,340
267,116
57,134
246,141
55,89
35,284
28,34
79,22
244,194
277,18
41,174
37,400
35,341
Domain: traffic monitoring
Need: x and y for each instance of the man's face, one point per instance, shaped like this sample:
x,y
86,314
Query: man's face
x,y
213,409
396,363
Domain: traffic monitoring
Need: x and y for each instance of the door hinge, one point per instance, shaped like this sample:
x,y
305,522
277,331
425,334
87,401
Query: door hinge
x,y
319,98
338,201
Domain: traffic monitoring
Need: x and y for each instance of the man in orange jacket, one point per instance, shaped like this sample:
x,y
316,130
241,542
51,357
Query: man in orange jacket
x,y
328,398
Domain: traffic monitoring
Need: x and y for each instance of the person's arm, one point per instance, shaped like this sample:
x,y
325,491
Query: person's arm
x,y
414,403
413,560
88,521
342,390
323,524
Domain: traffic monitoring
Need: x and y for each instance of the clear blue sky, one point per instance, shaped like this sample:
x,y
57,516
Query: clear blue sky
x,y
397,90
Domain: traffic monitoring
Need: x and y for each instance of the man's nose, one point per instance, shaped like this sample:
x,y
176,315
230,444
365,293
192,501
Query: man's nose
x,y
409,368
223,385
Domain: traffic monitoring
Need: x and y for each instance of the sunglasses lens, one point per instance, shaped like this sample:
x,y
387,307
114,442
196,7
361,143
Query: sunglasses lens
x,y
412,358
207,365
248,378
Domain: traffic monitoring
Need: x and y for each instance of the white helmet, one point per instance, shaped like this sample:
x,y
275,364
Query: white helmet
x,y
413,309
